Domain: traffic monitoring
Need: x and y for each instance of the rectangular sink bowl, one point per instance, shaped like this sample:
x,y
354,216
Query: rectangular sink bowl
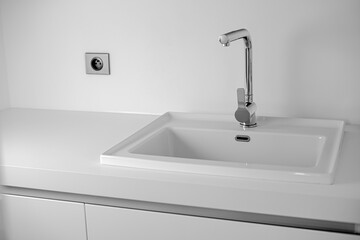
x,y
279,149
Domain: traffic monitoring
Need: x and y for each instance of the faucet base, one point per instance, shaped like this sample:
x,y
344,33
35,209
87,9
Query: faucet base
x,y
246,125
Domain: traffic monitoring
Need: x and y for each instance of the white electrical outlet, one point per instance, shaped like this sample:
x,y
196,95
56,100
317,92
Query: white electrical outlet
x,y
97,63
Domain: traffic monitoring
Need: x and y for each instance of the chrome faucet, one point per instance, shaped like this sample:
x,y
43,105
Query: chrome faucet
x,y
245,114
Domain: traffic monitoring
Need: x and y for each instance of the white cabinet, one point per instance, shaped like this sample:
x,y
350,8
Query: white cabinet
x,y
42,219
126,224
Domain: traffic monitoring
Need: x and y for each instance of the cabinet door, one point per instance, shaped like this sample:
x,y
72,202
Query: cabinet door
x,y
43,219
117,223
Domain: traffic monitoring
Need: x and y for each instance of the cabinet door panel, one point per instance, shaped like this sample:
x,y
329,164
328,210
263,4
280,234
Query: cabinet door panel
x,y
112,223
43,219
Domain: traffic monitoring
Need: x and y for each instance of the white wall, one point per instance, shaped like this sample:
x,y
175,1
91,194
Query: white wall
x,y
165,55
4,90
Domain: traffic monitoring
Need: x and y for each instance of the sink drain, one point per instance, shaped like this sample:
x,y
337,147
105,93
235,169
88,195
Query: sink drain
x,y
242,138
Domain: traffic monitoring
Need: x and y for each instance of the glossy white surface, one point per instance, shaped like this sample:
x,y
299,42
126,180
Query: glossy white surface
x,y
285,149
220,145
59,151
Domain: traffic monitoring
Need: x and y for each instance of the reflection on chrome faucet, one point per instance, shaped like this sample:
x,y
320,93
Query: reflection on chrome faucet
x,y
245,114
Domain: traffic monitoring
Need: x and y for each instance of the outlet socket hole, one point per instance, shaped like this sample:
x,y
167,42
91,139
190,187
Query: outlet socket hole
x,y
97,63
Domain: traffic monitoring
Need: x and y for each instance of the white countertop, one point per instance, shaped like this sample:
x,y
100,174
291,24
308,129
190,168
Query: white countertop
x,y
59,151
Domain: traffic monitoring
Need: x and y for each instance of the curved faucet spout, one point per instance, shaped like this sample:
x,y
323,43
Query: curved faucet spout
x,y
225,40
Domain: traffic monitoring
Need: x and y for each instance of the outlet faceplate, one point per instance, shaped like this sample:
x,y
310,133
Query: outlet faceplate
x,y
97,63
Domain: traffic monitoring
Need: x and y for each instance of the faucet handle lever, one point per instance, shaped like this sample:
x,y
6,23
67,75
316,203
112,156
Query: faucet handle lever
x,y
245,113
241,97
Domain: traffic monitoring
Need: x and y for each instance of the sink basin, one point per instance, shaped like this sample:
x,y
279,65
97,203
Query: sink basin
x,y
280,149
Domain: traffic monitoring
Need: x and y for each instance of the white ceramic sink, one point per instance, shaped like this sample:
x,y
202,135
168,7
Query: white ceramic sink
x,y
282,149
